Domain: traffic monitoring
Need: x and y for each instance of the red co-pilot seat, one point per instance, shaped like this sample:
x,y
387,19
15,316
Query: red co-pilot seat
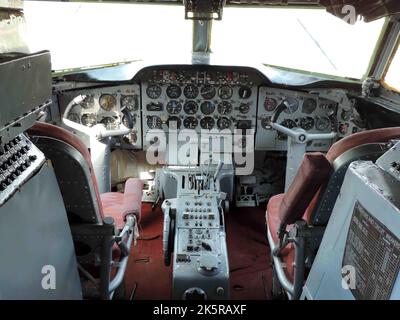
x,y
301,199
88,211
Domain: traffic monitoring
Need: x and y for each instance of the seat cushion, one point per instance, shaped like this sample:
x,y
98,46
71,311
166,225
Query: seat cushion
x,y
118,205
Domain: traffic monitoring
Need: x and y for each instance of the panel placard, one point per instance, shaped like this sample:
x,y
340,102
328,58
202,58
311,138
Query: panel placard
x,y
374,252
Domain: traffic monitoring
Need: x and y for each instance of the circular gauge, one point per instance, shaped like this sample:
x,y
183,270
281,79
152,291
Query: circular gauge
x,y
207,107
190,123
207,123
288,123
74,117
154,122
244,108
266,123
307,123
224,123
130,102
87,102
174,91
89,119
175,121
190,107
323,123
309,106
224,107
244,92
174,107
191,91
127,122
291,104
346,114
107,102
270,104
208,92
153,91
225,92
109,122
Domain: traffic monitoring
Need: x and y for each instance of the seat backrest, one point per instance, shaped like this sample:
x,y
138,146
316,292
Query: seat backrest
x,y
314,170
330,193
352,142
74,171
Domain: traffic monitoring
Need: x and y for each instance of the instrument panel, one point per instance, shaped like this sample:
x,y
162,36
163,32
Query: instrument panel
x,y
199,100
111,107
302,110
207,99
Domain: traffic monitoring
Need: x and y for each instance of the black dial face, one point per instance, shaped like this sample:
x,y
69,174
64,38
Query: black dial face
x,y
128,122
190,123
323,124
225,92
288,123
207,123
270,104
309,106
89,119
244,92
307,123
224,123
266,123
153,91
174,107
292,104
224,107
110,123
87,102
207,107
244,108
174,122
174,91
208,92
130,102
191,91
154,122
190,107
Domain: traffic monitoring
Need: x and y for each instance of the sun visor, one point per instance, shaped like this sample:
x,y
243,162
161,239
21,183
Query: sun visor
x,y
25,90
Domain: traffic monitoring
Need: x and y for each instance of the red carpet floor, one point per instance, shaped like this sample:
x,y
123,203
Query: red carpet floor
x,y
247,248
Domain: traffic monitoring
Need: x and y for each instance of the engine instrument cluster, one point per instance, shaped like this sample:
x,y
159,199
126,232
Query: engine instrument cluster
x,y
199,100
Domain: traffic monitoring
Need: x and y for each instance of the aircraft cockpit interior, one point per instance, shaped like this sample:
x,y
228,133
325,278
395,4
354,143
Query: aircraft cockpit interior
x,y
200,150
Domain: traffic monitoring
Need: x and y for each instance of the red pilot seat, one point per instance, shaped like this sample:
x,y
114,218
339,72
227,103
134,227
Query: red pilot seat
x,y
111,204
300,201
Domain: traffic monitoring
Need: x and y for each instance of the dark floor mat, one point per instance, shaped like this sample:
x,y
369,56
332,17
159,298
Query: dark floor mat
x,y
247,248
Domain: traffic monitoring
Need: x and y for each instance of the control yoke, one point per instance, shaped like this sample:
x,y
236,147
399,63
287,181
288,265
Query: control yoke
x,y
298,135
297,143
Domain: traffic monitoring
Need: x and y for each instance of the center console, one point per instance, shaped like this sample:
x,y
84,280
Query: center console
x,y
194,235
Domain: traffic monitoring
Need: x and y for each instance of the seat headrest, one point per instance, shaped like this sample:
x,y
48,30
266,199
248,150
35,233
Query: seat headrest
x,y
371,136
